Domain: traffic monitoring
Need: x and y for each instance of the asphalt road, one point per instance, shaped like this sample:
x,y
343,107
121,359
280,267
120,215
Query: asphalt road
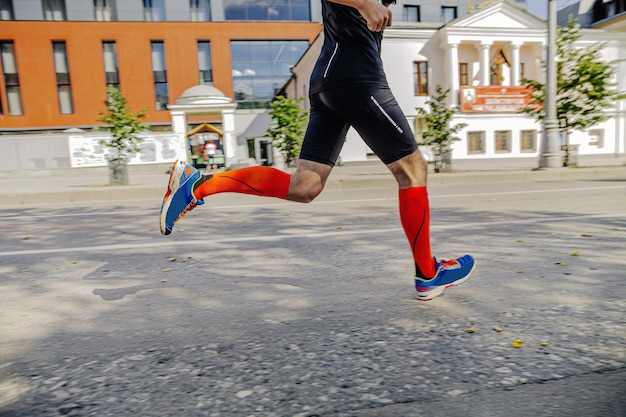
x,y
258,307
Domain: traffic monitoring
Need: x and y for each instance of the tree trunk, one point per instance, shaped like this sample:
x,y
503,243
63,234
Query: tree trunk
x,y
443,159
118,171
570,155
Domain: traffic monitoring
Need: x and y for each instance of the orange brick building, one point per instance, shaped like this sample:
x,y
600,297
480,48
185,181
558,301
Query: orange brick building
x,y
33,75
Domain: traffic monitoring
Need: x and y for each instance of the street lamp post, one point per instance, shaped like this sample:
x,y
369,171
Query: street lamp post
x,y
551,150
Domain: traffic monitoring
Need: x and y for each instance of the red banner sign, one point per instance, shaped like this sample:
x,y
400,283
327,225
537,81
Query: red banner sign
x,y
494,99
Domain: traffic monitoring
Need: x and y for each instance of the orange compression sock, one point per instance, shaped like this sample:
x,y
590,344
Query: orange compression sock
x,y
258,180
415,218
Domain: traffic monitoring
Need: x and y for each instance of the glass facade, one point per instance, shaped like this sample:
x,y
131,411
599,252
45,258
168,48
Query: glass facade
x,y
260,68
297,10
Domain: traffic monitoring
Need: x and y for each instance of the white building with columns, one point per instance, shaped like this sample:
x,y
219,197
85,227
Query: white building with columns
x,y
482,58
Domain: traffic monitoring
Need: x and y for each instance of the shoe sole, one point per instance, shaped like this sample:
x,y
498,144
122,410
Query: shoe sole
x,y
172,187
429,295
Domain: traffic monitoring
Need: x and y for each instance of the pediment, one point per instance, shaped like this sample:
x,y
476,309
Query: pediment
x,y
501,14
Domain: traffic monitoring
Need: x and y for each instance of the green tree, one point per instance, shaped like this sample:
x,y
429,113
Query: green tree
x,y
585,86
288,127
122,124
439,133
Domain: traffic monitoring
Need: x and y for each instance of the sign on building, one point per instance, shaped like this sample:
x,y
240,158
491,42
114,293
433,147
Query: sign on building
x,y
494,99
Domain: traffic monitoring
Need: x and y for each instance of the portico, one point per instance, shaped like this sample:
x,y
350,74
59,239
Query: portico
x,y
205,100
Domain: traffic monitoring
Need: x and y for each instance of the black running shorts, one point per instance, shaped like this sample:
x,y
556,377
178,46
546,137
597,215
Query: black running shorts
x,y
373,112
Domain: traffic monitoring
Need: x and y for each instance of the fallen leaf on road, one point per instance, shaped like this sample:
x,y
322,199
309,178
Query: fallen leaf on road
x,y
544,344
171,259
519,240
470,330
497,330
575,253
561,263
167,269
520,271
517,344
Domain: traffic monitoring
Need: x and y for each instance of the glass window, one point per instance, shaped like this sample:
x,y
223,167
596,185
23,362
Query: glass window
x,y
200,10
205,67
111,71
54,9
298,10
463,73
105,10
11,78
6,10
153,10
61,68
528,140
476,142
260,68
420,78
610,7
411,13
503,141
448,13
159,73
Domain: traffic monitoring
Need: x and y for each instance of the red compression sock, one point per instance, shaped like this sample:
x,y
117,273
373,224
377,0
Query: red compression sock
x,y
258,180
415,218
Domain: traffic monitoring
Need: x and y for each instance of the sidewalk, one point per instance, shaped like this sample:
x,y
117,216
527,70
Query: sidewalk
x,y
85,185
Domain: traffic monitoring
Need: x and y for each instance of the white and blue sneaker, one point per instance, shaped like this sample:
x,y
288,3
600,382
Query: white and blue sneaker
x,y
449,274
179,198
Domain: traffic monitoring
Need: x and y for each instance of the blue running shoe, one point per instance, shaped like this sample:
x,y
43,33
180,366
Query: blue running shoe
x,y
449,274
179,198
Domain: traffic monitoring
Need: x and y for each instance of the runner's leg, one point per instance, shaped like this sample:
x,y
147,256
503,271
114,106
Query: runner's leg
x,y
375,114
411,173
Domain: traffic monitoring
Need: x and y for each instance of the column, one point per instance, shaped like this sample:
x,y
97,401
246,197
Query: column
x,y
515,64
453,74
230,144
179,122
485,70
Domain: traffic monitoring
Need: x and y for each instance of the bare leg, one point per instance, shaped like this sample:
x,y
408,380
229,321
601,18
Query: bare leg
x,y
410,171
308,181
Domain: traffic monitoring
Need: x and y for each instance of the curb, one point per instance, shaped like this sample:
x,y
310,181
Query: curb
x,y
73,190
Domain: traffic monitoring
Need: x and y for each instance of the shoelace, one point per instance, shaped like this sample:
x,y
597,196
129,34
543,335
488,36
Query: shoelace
x,y
450,262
